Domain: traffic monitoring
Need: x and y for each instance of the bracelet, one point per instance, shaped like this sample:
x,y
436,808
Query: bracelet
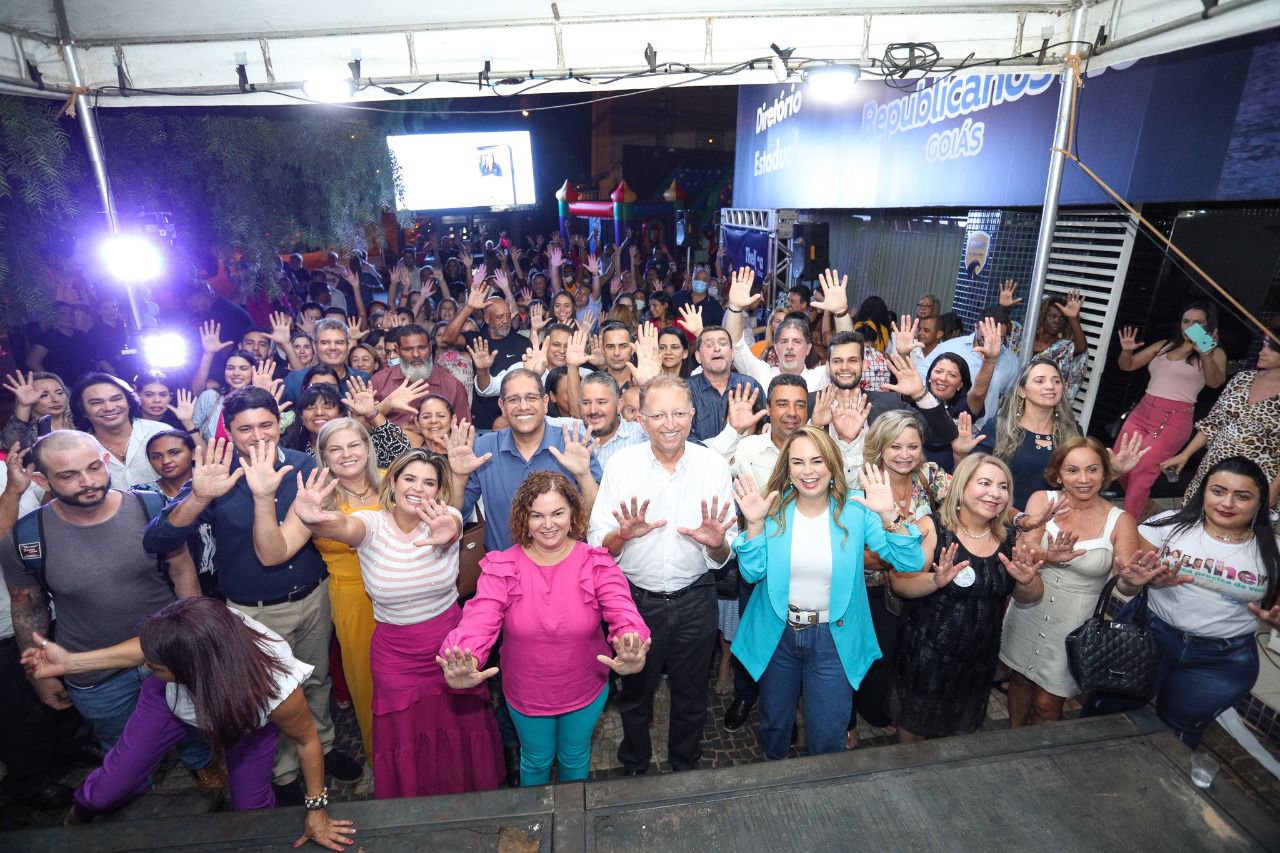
x,y
923,394
1017,521
734,310
314,804
844,313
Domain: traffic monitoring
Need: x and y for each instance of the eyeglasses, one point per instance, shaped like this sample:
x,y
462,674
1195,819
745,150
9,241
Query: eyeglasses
x,y
662,417
516,399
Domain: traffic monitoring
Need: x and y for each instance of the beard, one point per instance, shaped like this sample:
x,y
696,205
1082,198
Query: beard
x,y
84,498
418,373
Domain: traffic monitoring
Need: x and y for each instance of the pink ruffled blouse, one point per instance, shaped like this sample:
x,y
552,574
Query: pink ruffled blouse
x,y
550,617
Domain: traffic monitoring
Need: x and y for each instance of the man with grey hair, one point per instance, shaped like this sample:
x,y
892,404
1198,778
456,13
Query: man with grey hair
x,y
599,400
665,511
507,347
332,345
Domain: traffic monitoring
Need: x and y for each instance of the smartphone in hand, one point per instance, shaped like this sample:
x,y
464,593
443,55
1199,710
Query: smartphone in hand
x,y
1202,340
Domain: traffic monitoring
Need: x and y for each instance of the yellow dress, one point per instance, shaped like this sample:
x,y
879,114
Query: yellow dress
x,y
353,623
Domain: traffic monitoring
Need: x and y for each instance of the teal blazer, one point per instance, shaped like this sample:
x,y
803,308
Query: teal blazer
x,y
766,561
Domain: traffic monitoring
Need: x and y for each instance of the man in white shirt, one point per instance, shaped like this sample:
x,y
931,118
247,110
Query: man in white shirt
x,y
665,511
1006,370
794,338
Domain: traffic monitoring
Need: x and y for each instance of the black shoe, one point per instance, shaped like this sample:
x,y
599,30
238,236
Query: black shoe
x,y
289,794
342,767
634,771
511,756
54,795
795,733
736,715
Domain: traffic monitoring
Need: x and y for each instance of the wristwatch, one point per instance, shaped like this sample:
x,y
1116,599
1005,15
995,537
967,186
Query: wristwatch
x,y
315,804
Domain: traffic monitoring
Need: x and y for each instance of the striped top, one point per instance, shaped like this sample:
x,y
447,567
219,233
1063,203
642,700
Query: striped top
x,y
407,583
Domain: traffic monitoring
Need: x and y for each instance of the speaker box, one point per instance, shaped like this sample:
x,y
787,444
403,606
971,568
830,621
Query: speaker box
x,y
813,240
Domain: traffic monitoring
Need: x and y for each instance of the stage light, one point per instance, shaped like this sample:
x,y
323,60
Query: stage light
x,y
328,90
833,83
163,350
131,258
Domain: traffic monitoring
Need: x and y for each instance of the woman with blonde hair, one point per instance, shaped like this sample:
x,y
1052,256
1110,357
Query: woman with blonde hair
x,y
1079,541
807,630
951,630
895,445
427,737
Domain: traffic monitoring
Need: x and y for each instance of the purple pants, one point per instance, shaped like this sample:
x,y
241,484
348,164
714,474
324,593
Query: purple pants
x,y
151,732
1165,426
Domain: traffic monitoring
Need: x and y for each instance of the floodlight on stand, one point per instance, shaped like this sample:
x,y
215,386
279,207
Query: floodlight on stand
x,y
328,90
832,83
164,350
130,258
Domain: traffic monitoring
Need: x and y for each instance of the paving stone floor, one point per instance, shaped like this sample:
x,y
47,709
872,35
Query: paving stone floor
x,y
174,793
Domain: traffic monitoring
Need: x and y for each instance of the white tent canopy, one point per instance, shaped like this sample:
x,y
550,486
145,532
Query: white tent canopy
x,y
190,52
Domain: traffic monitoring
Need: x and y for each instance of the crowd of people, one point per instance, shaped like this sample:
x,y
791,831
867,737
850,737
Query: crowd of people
x,y
525,482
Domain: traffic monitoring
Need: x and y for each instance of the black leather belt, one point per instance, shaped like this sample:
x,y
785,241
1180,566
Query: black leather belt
x,y
668,596
296,594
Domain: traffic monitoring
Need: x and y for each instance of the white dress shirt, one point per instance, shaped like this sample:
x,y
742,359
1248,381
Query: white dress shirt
x,y
663,560
136,468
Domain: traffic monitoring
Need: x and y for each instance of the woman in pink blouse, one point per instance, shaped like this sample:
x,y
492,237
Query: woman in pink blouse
x,y
549,594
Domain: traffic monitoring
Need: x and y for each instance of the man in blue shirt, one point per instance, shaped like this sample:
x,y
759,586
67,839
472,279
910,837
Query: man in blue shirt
x,y
333,344
500,461
291,599
711,387
1006,369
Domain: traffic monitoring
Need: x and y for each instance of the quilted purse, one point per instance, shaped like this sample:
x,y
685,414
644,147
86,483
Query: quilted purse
x,y
1114,657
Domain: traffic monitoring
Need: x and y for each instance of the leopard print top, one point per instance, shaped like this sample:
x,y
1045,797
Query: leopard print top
x,y
1236,427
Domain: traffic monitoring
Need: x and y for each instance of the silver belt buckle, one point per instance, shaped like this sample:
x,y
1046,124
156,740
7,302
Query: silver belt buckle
x,y
801,619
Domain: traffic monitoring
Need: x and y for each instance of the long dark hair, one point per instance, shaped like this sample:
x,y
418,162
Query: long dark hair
x,y
223,662
1175,337
1192,515
297,436
80,416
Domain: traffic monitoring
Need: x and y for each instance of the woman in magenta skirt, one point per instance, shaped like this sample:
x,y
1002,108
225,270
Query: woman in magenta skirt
x,y
428,738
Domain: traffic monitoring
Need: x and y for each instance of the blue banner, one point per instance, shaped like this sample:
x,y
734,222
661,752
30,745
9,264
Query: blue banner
x,y
1178,127
747,247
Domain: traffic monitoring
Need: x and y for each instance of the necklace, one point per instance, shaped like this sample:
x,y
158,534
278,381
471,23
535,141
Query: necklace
x,y
363,496
1228,539
983,535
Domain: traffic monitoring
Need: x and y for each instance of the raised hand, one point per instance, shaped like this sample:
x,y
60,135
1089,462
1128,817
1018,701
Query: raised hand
x,y
17,468
183,406
24,390
589,320
442,525
878,492
1071,308
647,341
1129,339
822,406
629,654
754,506
1140,569
849,413
478,293
537,317
715,521
481,356
555,256
740,283
500,279
965,441
357,331
211,475
905,329
632,523
989,332
742,414
461,445
1061,548
907,381
308,503
835,294
264,374
576,456
691,316
1007,290
360,399
596,356
403,398
592,264
1054,509
281,328
526,296
1022,567
211,341
460,670
576,352
260,472
946,569
1130,453
535,358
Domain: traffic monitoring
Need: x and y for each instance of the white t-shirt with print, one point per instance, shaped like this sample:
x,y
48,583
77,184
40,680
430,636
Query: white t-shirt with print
x,y
1225,578
296,672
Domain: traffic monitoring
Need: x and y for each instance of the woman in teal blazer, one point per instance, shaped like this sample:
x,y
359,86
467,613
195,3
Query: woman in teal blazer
x,y
807,629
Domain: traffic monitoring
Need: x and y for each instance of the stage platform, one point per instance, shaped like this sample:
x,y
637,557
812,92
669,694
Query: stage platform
x,y
1111,783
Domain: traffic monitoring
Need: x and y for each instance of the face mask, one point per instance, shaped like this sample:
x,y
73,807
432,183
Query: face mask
x,y
699,286
392,362
639,306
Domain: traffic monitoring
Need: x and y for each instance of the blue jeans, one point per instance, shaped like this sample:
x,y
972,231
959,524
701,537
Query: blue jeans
x,y
804,664
109,705
1197,678
565,738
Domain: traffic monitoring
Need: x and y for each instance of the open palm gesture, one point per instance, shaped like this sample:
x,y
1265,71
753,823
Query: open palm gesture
x,y
835,294
628,654
308,503
754,506
184,406
24,391
715,521
849,413
742,402
1022,566
946,569
632,523
260,472
965,441
460,670
462,455
740,288
906,380
1129,339
443,526
576,456
211,338
987,342
878,493
211,475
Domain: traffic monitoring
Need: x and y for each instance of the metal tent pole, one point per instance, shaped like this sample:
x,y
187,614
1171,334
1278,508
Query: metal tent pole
x,y
1053,187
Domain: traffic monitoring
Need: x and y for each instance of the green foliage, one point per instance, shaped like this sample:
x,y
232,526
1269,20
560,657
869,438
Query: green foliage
x,y
248,186
40,180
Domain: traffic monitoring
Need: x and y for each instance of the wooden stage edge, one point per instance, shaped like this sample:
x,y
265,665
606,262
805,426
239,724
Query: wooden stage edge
x,y
1107,783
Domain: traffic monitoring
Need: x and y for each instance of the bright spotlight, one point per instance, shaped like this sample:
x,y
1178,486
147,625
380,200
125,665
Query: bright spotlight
x,y
834,83
164,349
131,258
328,90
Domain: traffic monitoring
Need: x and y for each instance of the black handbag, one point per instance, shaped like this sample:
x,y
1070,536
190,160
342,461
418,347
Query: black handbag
x,y
1114,657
